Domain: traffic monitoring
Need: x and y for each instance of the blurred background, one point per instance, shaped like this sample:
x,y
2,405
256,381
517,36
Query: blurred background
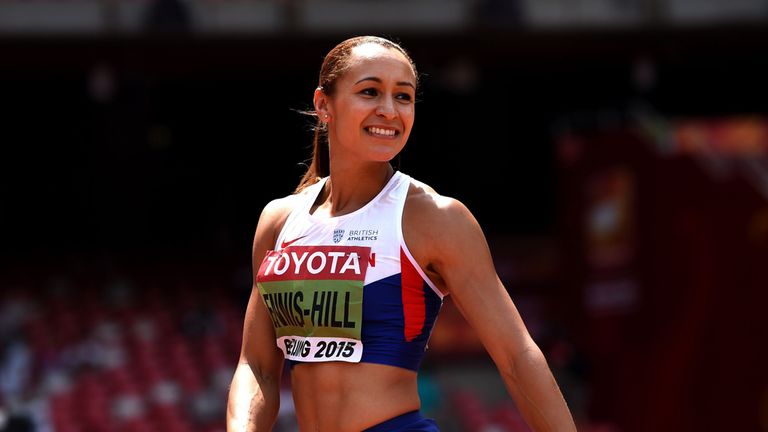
x,y
614,151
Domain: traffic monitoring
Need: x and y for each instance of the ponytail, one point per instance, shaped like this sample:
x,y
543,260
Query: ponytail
x,y
320,165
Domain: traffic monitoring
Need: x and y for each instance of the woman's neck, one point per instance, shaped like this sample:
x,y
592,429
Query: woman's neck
x,y
349,189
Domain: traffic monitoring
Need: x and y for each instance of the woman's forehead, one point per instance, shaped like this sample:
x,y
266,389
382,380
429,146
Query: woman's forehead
x,y
372,50
372,56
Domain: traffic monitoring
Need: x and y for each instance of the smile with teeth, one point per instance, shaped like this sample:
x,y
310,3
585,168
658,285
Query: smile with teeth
x,y
381,131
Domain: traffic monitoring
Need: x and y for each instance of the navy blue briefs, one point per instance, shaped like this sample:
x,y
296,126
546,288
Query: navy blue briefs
x,y
409,422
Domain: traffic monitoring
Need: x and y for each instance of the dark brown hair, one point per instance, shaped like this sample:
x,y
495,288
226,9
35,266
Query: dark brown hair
x,y
335,64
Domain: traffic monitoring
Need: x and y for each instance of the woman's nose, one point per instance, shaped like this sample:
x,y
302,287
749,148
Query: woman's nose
x,y
386,109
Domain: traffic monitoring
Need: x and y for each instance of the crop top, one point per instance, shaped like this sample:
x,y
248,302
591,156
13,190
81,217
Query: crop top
x,y
346,288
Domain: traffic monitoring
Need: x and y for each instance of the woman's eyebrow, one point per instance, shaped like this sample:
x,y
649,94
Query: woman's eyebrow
x,y
378,80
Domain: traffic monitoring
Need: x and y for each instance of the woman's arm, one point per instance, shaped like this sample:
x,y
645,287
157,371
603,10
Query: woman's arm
x,y
451,242
254,396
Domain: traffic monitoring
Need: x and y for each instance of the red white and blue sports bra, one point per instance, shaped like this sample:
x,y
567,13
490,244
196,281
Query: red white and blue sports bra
x,y
346,288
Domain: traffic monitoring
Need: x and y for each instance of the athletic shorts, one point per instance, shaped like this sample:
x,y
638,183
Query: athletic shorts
x,y
408,422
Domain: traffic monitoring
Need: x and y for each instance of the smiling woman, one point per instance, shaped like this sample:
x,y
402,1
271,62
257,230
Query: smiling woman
x,y
366,88
370,109
351,270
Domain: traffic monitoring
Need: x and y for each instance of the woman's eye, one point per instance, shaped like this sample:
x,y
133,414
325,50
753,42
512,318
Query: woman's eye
x,y
405,97
369,92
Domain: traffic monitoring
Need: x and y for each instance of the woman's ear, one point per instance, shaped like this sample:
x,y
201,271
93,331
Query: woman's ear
x,y
321,105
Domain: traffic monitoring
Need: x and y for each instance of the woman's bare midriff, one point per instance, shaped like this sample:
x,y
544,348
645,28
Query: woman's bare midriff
x,y
349,397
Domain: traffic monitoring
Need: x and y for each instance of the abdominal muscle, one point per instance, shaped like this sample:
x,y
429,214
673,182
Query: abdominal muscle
x,y
350,397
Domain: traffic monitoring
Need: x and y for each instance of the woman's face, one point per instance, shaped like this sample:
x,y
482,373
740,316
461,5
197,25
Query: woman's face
x,y
371,111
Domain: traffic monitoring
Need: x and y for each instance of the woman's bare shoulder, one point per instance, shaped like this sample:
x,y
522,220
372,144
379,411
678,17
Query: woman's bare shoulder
x,y
426,206
278,209
274,215
436,227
